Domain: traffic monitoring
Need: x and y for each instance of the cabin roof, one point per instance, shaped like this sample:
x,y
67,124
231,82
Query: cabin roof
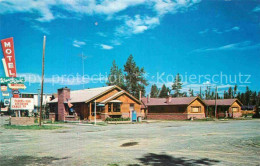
x,y
223,102
163,101
87,95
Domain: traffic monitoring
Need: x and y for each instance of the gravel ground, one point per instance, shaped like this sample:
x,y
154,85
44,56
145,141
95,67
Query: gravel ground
x,y
233,142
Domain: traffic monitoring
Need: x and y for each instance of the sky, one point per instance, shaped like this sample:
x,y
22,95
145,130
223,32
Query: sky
x,y
209,42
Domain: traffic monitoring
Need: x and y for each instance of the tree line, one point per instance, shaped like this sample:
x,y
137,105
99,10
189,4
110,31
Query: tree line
x,y
132,79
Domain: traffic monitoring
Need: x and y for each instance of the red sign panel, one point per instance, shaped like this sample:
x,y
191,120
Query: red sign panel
x,y
8,50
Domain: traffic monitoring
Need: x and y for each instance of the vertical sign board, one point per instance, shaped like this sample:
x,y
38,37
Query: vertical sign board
x,y
8,50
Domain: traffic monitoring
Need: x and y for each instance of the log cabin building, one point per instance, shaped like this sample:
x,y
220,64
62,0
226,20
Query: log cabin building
x,y
180,108
109,101
225,108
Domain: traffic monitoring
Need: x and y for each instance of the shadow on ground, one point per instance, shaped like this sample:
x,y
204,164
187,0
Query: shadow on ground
x,y
152,159
27,160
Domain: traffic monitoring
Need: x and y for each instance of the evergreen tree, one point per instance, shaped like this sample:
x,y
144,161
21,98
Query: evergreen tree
x,y
247,96
235,91
116,76
135,79
230,93
154,91
191,92
177,86
164,91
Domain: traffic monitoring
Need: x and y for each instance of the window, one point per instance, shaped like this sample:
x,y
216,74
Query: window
x,y
116,107
234,109
109,107
195,109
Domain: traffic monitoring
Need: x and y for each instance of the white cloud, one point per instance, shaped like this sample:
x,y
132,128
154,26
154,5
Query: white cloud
x,y
137,25
245,45
41,29
106,47
256,9
77,43
215,30
101,34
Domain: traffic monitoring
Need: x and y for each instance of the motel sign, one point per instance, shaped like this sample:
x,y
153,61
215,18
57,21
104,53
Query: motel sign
x,y
9,57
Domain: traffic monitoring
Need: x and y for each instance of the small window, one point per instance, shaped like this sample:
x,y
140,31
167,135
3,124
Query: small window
x,y
234,109
116,107
195,109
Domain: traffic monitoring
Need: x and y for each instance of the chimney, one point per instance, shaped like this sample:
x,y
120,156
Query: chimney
x,y
63,96
169,98
148,98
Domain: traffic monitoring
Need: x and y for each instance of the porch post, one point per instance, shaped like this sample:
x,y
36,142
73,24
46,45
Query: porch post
x,y
90,110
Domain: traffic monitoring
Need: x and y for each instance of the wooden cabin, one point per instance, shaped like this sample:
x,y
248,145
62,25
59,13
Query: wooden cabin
x,y
109,101
225,108
174,108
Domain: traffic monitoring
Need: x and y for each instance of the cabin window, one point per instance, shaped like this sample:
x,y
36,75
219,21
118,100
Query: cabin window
x,y
234,109
109,107
195,109
116,107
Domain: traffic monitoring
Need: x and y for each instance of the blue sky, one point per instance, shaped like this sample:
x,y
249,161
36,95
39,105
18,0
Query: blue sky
x,y
191,37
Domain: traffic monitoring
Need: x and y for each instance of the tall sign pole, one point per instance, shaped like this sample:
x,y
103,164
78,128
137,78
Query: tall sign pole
x,y
43,54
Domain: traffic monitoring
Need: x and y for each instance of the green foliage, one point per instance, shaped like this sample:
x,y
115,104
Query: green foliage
x,y
177,86
116,76
164,91
117,119
135,77
33,127
154,91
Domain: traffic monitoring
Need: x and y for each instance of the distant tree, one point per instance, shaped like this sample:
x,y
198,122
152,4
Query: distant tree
x,y
154,91
116,76
135,79
235,91
230,93
247,95
191,92
184,94
164,91
177,86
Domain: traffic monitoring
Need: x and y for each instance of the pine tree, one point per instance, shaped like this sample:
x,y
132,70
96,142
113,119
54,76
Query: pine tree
x,y
135,79
116,76
235,91
164,91
230,93
177,86
191,92
154,91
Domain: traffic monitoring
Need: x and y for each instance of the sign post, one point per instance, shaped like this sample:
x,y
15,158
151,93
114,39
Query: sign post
x,y
43,54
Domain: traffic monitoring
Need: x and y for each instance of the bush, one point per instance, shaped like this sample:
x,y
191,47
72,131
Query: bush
x,y
117,119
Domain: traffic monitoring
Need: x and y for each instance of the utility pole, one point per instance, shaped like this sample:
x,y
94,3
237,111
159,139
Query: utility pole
x,y
43,54
83,58
95,112
216,95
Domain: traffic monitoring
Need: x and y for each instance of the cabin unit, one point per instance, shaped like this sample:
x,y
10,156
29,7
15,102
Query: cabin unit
x,y
109,101
180,108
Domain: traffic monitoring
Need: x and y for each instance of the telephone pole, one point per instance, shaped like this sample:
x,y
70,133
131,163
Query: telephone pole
x,y
43,54
83,58
216,95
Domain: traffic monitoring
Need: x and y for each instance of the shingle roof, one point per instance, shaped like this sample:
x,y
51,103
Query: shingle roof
x,y
112,97
224,102
174,101
78,96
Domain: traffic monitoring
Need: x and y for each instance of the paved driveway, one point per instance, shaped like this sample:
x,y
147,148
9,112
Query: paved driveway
x,y
163,143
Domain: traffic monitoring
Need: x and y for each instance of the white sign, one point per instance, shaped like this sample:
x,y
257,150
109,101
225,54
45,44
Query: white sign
x,y
6,102
22,104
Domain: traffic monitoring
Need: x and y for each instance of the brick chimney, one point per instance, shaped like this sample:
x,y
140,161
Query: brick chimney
x,y
148,98
63,96
169,98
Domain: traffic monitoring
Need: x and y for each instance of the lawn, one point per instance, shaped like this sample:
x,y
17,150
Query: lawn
x,y
32,127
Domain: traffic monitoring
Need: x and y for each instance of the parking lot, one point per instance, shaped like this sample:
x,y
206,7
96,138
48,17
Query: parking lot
x,y
233,142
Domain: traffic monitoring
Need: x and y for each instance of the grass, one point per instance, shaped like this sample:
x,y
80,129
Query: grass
x,y
113,164
32,127
99,123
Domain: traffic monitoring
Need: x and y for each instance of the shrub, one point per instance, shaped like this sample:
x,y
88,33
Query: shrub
x,y
117,119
